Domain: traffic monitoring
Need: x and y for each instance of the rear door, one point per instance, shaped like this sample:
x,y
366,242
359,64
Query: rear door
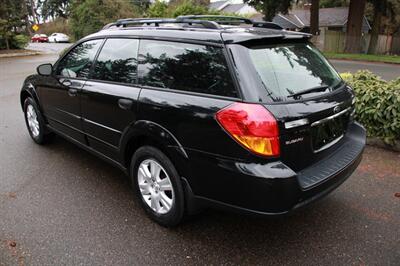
x,y
109,98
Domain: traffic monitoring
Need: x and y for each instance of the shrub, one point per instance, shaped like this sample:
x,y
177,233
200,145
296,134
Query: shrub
x,y
15,41
20,41
158,9
188,8
377,104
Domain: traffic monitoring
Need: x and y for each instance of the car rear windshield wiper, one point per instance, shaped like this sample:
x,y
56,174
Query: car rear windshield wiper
x,y
310,90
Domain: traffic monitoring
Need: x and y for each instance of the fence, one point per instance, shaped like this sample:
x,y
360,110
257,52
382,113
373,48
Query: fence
x,y
333,41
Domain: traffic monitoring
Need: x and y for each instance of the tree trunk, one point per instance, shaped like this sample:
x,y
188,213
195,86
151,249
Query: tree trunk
x,y
376,26
7,43
354,26
314,17
34,14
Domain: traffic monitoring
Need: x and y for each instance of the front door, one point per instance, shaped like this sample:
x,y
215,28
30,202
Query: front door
x,y
61,96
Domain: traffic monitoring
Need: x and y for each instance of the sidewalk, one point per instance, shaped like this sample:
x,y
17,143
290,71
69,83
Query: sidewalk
x,y
14,53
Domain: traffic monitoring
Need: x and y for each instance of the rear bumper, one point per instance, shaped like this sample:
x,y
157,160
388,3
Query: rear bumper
x,y
272,188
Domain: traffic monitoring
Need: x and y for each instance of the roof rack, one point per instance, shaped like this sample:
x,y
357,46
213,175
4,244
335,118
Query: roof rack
x,y
234,20
156,22
207,21
227,20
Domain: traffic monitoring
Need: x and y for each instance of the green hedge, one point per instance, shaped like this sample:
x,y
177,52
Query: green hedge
x,y
18,41
377,104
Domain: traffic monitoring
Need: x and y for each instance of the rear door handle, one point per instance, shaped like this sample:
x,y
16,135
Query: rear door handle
x,y
125,104
72,92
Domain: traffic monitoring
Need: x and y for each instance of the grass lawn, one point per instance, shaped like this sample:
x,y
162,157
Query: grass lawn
x,y
365,57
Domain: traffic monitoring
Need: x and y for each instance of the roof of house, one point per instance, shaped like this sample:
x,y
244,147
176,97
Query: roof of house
x,y
327,16
300,18
217,5
233,8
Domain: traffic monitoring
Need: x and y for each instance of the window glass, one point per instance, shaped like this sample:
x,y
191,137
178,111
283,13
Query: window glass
x,y
77,63
117,61
286,69
186,67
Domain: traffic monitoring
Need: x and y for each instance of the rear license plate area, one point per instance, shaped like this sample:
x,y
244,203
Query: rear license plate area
x,y
328,132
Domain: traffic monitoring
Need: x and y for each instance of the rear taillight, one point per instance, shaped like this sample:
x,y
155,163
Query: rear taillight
x,y
252,126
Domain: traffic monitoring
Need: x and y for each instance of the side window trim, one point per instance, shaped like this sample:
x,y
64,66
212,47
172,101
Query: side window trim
x,y
95,59
90,77
56,64
232,71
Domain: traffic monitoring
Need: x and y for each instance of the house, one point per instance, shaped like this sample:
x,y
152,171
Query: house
x,y
232,6
333,19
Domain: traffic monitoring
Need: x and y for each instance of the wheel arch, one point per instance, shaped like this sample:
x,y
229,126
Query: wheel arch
x,y
29,91
144,132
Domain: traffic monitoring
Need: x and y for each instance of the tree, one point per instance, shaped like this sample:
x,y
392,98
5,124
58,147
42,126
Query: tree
x,y
54,8
269,8
314,17
12,20
157,10
380,7
354,26
88,16
385,19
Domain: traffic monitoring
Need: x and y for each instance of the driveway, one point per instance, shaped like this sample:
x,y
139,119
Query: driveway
x,y
61,205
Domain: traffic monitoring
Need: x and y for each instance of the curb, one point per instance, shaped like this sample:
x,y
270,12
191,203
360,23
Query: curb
x,y
19,54
381,144
362,61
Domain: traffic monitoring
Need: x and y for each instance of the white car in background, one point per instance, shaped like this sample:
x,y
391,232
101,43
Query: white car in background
x,y
58,37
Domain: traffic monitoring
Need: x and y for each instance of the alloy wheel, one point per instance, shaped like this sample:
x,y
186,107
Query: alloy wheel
x,y
155,186
33,122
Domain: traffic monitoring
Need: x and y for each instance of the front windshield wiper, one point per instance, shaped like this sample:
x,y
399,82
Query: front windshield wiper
x,y
310,90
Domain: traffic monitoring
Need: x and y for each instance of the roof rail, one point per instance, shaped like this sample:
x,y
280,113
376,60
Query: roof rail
x,y
227,20
234,20
207,21
157,21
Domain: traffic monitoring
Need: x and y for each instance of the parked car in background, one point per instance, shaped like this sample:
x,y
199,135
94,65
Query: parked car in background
x,y
40,38
58,37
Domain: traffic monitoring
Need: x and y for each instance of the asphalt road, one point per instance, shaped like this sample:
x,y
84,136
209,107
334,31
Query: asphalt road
x,y
384,70
61,205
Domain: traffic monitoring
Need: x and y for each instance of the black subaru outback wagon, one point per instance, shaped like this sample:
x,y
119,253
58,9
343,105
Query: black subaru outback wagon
x,y
203,111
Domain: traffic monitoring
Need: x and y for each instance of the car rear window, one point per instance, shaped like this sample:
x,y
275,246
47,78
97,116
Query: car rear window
x,y
287,69
185,67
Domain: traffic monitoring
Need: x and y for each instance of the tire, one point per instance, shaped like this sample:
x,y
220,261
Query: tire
x,y
37,130
165,212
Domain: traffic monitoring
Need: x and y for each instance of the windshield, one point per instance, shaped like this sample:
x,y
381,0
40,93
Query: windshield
x,y
291,69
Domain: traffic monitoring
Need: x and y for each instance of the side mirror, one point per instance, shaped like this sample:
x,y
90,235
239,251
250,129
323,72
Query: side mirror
x,y
45,69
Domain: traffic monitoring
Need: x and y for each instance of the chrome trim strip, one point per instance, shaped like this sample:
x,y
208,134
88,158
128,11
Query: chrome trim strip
x,y
68,113
296,123
330,144
330,117
100,125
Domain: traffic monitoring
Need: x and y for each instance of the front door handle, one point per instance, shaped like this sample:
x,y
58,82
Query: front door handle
x,y
72,92
125,104
66,82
